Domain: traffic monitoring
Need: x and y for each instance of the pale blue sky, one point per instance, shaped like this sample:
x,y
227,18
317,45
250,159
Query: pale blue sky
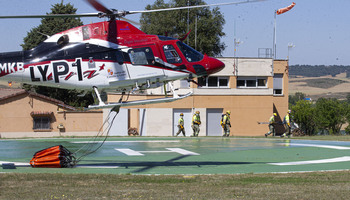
x,y
318,29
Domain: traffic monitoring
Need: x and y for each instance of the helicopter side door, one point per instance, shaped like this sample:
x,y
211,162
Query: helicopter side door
x,y
118,71
142,63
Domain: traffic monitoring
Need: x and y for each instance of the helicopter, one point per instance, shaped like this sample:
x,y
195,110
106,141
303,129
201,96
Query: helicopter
x,y
106,56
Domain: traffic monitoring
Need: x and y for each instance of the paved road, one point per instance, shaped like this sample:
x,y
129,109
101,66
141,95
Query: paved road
x,y
204,155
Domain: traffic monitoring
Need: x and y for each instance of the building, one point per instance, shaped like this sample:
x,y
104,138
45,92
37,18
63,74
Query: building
x,y
251,88
27,114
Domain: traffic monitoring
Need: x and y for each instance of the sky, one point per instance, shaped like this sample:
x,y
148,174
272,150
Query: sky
x,y
313,32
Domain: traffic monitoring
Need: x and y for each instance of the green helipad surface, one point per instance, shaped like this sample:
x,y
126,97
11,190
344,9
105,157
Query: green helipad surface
x,y
204,155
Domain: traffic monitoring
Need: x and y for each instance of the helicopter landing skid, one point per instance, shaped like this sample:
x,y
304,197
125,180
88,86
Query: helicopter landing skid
x,y
139,102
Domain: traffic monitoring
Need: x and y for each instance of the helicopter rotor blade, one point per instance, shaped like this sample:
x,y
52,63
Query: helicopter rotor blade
x,y
94,3
98,6
190,7
111,13
131,21
52,15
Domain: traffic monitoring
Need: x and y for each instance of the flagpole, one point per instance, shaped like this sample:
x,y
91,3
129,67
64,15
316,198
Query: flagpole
x,y
274,36
279,11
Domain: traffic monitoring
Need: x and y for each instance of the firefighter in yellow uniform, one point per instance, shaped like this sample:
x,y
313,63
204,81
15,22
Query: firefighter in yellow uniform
x,y
226,123
271,125
196,121
181,125
286,122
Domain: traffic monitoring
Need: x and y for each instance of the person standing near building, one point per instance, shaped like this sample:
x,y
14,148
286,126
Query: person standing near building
x,y
286,122
226,123
271,125
196,121
181,125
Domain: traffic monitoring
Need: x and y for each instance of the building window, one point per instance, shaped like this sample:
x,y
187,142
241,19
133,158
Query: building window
x,y
278,84
240,83
41,123
262,82
214,82
251,82
223,82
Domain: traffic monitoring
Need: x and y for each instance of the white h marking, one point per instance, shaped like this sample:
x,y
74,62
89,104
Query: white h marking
x,y
331,160
131,152
317,145
182,151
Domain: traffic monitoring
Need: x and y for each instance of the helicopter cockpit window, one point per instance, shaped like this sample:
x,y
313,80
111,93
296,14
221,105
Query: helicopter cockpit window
x,y
141,56
171,55
86,34
190,54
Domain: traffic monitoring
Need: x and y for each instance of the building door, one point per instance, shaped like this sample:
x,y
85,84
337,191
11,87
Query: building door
x,y
213,121
187,121
120,123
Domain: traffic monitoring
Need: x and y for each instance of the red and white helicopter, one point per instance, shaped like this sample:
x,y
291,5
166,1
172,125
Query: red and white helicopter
x,y
111,55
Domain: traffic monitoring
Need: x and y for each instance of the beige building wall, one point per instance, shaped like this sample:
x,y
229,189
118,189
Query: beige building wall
x,y
78,123
16,120
159,120
280,102
134,118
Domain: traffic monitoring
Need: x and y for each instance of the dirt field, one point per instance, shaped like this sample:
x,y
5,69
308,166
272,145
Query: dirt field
x,y
316,87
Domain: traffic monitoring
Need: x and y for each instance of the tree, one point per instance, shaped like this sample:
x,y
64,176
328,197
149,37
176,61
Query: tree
x,y
209,24
331,114
303,113
348,98
51,26
293,99
347,129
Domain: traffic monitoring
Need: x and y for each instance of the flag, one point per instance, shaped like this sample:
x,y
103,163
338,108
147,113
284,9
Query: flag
x,y
283,10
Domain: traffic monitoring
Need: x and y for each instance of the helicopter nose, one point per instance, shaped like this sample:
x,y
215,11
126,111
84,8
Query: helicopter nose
x,y
214,65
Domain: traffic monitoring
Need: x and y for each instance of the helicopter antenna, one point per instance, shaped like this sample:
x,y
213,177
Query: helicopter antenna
x,y
43,34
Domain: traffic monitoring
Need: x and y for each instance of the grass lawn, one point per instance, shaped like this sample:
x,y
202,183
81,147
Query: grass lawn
x,y
317,185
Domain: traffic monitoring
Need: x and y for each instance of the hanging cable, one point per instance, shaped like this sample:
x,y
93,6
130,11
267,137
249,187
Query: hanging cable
x,y
92,146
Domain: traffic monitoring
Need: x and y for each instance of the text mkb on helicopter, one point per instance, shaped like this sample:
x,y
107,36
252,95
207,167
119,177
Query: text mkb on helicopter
x,y
110,55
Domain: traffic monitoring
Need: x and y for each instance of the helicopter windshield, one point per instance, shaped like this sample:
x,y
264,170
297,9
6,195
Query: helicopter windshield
x,y
190,54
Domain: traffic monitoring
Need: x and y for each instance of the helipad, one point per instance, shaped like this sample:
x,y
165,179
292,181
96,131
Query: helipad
x,y
204,155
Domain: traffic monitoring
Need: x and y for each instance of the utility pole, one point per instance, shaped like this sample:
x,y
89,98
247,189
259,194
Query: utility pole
x,y
274,37
188,20
195,34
